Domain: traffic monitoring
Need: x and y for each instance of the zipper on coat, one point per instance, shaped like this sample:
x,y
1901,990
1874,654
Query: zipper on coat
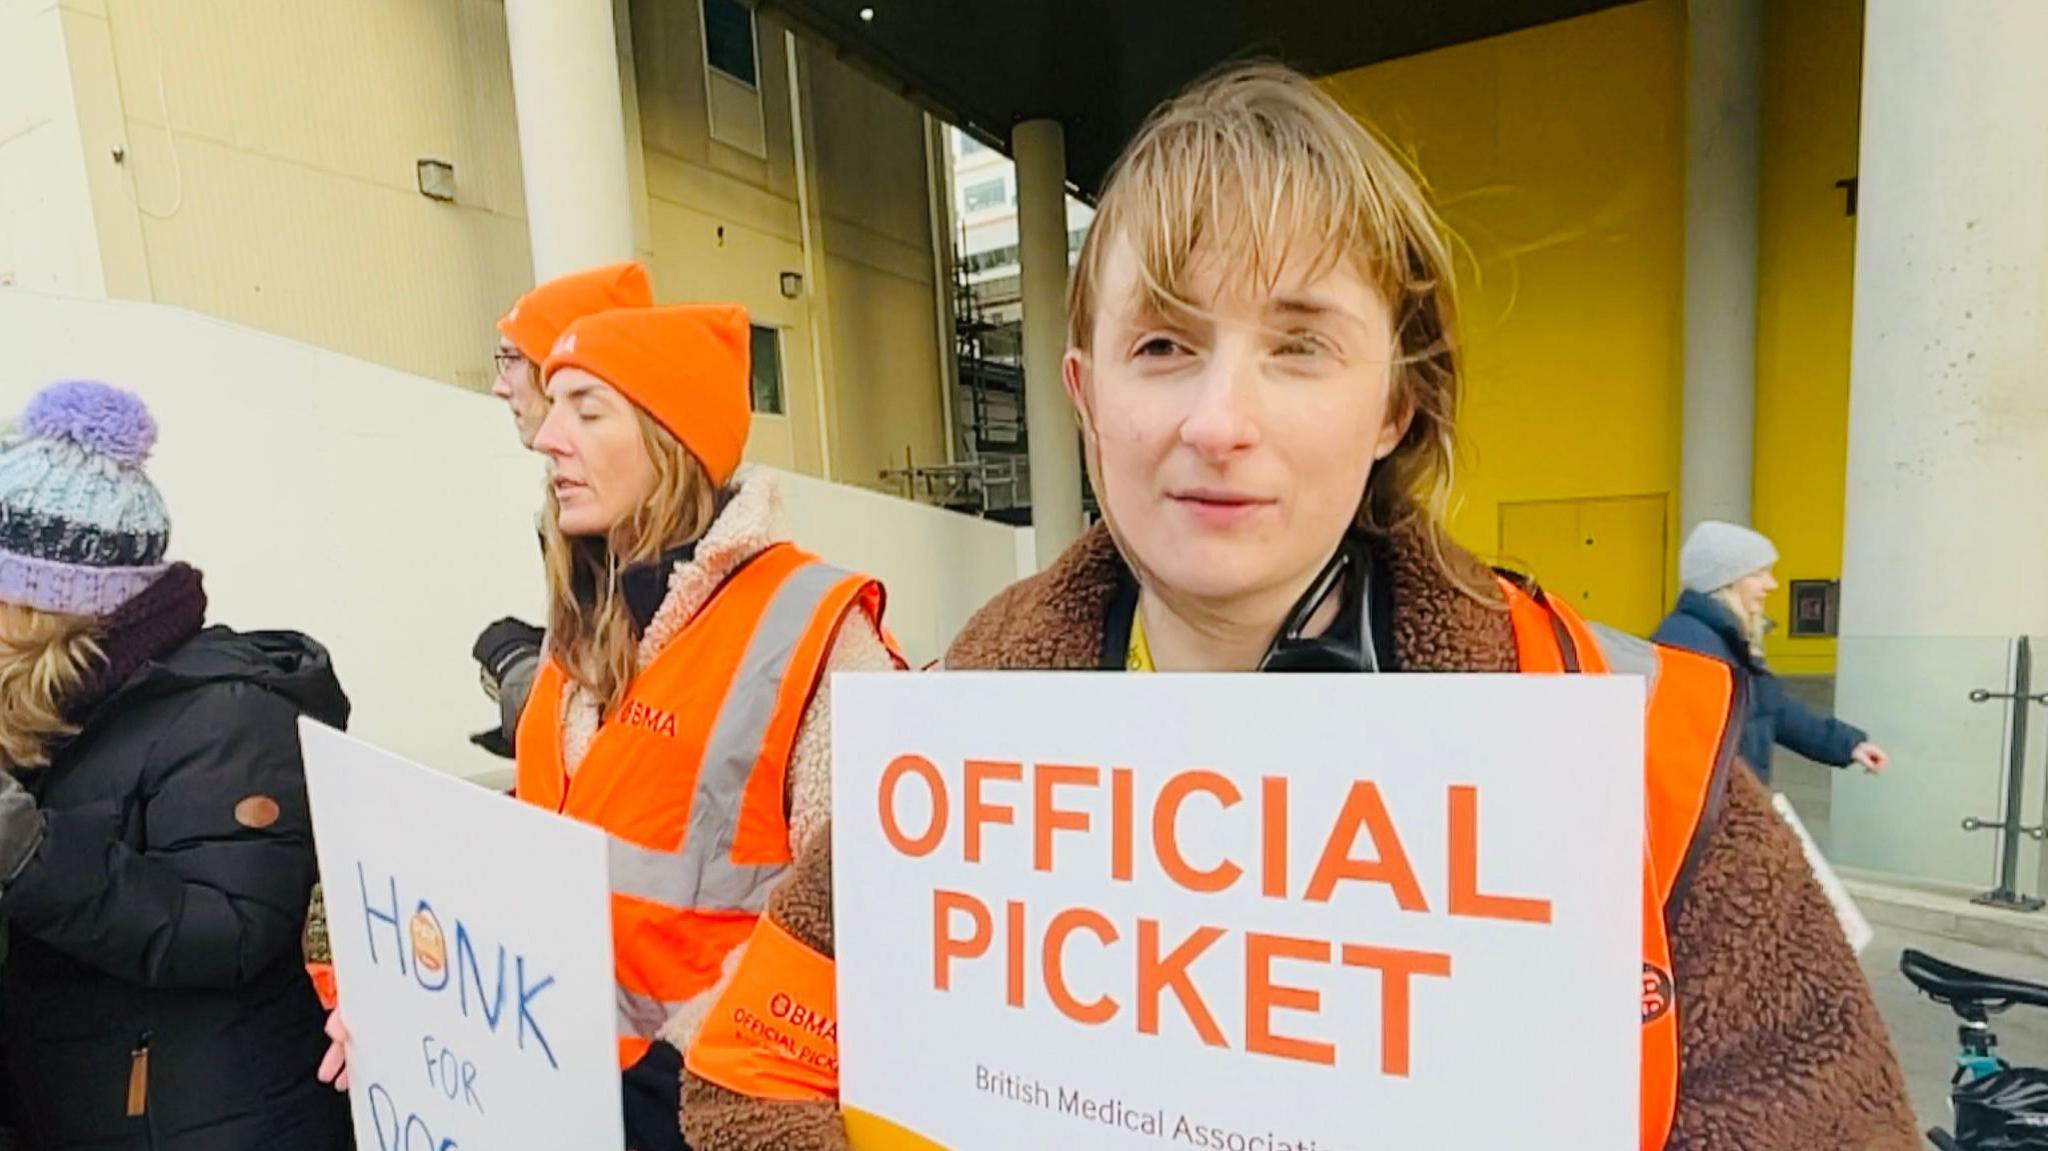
x,y
138,1078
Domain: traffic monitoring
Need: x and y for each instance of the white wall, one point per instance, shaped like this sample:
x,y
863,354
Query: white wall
x,y
387,516
46,219
391,517
938,566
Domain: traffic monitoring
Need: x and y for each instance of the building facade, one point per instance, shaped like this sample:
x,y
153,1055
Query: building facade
x,y
349,175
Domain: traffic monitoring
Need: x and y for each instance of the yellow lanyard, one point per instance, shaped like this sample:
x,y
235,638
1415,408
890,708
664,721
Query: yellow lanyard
x,y
1138,657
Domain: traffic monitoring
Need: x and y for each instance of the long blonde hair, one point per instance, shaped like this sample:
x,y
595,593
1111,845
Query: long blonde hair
x,y
1755,625
44,659
1243,165
595,642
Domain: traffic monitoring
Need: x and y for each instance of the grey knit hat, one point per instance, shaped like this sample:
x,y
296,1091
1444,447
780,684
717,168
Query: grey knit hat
x,y
1717,554
82,529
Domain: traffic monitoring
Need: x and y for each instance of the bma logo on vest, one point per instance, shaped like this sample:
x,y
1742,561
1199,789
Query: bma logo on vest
x,y
804,1018
439,966
637,713
1657,993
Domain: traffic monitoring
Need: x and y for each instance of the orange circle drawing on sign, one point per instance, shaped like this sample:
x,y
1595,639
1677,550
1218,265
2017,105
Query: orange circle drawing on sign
x,y
429,946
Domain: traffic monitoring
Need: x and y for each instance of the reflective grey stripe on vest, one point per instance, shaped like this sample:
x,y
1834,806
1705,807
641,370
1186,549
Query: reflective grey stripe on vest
x,y
1628,655
701,874
643,1016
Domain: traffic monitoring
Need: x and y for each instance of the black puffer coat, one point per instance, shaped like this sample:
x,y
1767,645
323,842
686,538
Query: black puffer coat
x,y
155,994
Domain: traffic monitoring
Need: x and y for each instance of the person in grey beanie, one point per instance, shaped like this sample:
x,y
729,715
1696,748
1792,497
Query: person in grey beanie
x,y
1727,571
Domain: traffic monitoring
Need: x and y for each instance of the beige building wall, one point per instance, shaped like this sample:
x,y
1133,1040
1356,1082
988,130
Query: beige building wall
x,y
877,206
271,161
269,178
724,221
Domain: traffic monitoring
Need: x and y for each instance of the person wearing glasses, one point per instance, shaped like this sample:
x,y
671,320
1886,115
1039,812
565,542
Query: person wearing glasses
x,y
508,652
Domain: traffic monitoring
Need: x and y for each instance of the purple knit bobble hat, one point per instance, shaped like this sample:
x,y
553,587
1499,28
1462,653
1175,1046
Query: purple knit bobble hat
x,y
82,529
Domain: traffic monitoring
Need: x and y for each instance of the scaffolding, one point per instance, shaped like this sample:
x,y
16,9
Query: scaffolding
x,y
992,477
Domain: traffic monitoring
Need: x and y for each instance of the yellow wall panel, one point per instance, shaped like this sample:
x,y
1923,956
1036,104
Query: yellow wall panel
x,y
1557,158
1807,258
1628,539
1541,538
1604,557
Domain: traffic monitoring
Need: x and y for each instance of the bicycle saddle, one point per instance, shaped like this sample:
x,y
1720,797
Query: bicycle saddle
x,y
1948,984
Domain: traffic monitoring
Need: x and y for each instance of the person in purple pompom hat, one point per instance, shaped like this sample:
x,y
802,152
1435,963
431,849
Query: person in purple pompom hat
x,y
156,851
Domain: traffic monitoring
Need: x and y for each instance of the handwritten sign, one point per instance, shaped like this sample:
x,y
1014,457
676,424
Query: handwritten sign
x,y
472,946
1247,913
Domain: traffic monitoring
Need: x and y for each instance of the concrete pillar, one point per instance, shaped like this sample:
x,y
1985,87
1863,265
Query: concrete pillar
x,y
938,182
1040,149
1945,554
1723,133
629,118
572,135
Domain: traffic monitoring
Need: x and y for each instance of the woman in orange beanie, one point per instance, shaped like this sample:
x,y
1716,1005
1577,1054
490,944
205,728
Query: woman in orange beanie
x,y
683,707
508,651
683,704
528,331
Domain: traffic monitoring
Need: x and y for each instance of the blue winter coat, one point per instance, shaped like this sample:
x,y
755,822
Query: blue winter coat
x,y
1702,625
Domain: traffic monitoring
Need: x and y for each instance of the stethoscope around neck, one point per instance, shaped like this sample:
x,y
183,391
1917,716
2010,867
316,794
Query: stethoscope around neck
x,y
1346,645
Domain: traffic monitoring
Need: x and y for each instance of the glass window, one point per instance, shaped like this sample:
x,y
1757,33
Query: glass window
x,y
729,39
993,258
985,195
767,370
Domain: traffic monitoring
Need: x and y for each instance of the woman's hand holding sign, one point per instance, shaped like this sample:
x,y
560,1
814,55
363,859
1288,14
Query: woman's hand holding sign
x,y
334,1065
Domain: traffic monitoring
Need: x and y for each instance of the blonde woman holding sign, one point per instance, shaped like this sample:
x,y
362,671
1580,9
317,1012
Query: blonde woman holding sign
x,y
1264,360
682,706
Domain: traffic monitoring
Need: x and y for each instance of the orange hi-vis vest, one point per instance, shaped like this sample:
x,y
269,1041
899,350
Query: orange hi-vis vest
x,y
687,777
1695,710
1695,705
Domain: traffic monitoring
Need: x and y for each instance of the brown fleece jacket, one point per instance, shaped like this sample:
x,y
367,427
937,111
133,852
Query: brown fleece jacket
x,y
1781,1045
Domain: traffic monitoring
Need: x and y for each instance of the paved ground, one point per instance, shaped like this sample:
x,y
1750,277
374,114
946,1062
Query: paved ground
x,y
1925,1032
